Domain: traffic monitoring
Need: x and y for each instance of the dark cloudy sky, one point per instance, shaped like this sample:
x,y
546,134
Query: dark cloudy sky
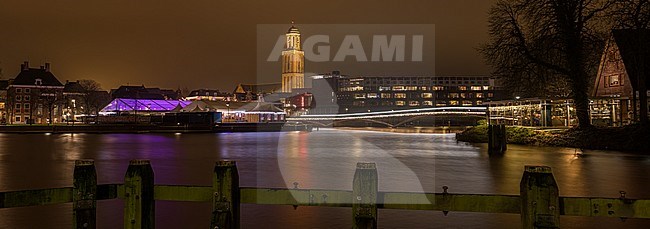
x,y
207,43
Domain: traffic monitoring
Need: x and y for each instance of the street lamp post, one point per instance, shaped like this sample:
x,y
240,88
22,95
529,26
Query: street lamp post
x,y
74,107
228,109
489,119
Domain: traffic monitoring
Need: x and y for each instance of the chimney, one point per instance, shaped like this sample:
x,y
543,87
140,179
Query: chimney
x,y
47,67
25,66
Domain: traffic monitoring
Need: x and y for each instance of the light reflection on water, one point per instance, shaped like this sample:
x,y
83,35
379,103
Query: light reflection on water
x,y
322,159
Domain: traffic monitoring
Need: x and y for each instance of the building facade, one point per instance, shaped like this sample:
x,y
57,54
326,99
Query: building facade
x,y
4,84
383,93
34,96
293,62
256,92
209,94
142,92
616,89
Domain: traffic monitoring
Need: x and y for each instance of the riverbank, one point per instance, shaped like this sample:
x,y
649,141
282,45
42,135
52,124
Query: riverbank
x,y
147,128
410,130
628,138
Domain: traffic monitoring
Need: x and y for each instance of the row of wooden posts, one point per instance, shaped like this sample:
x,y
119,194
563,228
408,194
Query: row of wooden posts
x,y
539,202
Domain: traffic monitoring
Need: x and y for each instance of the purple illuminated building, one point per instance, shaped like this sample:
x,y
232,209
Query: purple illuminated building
x,y
143,105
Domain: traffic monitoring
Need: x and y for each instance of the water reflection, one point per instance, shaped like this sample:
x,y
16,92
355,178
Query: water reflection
x,y
322,159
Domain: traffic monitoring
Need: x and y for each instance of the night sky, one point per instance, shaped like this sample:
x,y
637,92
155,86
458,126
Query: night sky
x,y
208,43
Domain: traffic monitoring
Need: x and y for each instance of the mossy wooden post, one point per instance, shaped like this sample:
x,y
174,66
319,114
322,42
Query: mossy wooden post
x,y
364,196
139,205
497,139
225,204
84,195
540,201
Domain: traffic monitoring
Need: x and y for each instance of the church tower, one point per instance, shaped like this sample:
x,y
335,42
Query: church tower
x,y
293,62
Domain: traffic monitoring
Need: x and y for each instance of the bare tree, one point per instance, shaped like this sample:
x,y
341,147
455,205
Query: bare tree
x,y
635,15
93,99
50,98
185,91
544,41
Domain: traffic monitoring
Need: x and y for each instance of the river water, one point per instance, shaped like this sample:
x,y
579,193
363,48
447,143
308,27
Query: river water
x,y
321,159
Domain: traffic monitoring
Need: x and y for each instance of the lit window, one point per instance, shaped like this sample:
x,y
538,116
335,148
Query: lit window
x,y
463,95
427,95
372,95
462,88
441,103
399,88
412,88
486,88
467,103
479,102
414,103
427,103
453,102
400,103
437,88
384,88
476,88
386,103
479,95
424,88
386,95
453,95
614,81
400,95
359,96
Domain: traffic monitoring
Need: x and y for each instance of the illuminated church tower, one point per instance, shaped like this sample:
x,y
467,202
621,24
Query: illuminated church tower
x,y
293,62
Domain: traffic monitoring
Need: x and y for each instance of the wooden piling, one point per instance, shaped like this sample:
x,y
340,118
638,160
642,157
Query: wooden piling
x,y
139,205
84,195
497,139
364,196
540,201
225,200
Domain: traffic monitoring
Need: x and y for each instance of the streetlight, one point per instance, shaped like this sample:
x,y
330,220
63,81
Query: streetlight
x,y
74,107
228,109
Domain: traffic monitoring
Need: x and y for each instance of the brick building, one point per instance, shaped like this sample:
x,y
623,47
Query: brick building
x,y
34,95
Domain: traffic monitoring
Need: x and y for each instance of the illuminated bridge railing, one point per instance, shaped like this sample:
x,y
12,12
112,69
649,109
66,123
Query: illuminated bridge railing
x,y
481,111
539,204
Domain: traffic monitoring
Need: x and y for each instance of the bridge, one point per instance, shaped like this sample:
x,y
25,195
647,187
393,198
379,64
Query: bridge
x,y
437,116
